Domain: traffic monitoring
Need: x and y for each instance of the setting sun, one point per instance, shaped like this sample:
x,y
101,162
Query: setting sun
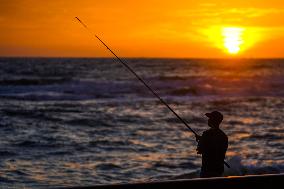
x,y
233,39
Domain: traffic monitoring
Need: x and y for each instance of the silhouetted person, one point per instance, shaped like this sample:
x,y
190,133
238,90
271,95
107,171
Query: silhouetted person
x,y
212,145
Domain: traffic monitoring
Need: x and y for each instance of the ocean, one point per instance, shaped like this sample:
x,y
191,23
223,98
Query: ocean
x,y
88,121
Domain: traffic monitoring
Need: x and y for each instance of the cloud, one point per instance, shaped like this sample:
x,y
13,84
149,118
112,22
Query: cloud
x,y
213,15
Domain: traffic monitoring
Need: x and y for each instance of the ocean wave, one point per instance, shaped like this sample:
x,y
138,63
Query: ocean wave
x,y
176,86
240,169
188,165
6,180
7,153
102,142
172,78
237,169
32,143
108,166
184,91
265,136
35,81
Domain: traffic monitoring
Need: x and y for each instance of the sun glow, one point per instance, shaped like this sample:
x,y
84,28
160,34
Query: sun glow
x,y
233,39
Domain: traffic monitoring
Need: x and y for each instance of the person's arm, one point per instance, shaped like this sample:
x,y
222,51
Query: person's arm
x,y
200,141
197,138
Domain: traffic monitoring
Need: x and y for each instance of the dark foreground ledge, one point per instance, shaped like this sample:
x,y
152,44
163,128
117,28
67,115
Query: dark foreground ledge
x,y
255,181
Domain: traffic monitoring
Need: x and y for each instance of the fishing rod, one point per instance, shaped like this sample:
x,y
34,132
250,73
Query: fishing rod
x,y
144,83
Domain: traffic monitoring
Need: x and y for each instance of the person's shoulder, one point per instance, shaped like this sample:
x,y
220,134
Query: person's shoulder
x,y
208,132
215,132
211,130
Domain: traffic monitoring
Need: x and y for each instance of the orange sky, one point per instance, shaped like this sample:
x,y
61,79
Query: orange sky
x,y
149,28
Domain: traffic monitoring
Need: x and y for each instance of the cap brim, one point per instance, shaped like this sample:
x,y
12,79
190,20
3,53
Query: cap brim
x,y
208,115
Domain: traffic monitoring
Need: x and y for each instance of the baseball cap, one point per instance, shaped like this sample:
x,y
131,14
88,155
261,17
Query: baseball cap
x,y
215,115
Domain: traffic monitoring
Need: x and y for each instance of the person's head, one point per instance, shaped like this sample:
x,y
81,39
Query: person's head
x,y
215,118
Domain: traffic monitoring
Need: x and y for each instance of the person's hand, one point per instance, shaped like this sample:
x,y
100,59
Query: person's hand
x,y
198,150
197,138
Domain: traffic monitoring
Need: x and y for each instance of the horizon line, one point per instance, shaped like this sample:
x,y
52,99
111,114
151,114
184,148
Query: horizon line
x,y
137,57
